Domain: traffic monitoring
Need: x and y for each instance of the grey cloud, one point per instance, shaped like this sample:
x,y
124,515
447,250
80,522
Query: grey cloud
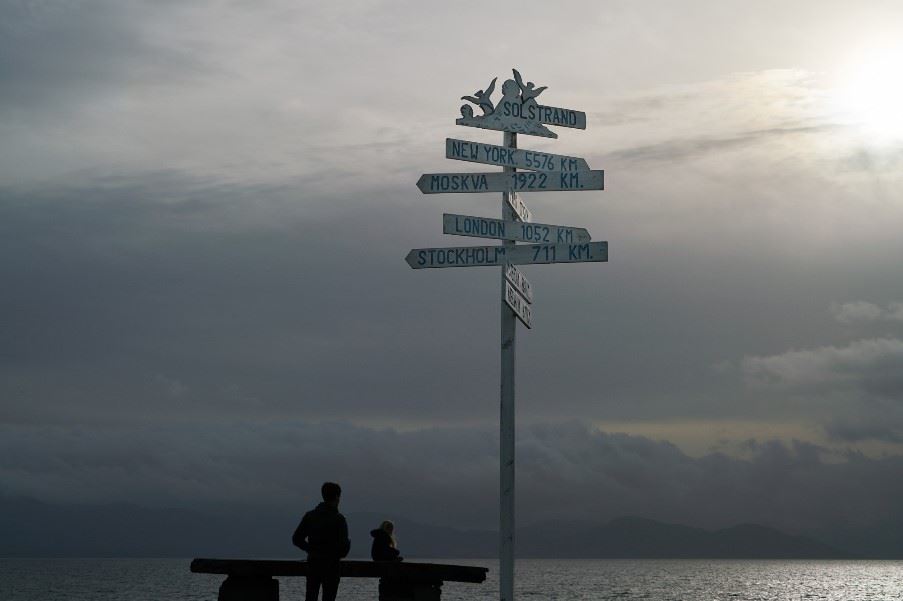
x,y
856,388
870,160
690,148
862,363
58,55
856,311
866,312
864,428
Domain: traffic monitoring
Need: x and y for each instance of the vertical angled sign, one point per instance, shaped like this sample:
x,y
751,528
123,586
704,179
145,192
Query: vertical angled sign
x,y
519,305
519,281
517,206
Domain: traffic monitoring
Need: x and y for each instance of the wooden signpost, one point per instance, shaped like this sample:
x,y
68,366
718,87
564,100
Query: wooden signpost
x,y
516,112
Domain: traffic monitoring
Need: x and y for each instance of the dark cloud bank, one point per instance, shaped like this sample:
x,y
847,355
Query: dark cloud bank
x,y
567,473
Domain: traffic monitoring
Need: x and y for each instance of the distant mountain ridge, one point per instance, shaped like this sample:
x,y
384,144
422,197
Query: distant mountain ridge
x,y
641,538
32,529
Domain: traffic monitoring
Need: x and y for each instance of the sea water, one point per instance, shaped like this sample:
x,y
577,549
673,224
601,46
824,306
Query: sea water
x,y
625,580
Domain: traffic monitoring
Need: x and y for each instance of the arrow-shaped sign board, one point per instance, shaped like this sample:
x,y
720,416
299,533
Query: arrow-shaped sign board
x,y
519,305
519,281
485,227
552,115
517,205
490,154
526,119
521,181
526,254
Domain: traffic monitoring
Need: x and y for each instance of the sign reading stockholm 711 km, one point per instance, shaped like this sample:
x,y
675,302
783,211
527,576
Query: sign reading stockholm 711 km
x,y
522,181
487,256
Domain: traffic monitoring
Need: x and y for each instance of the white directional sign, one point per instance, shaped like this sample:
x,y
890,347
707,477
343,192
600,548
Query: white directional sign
x,y
522,181
490,154
517,205
484,227
519,305
551,115
483,256
524,118
519,281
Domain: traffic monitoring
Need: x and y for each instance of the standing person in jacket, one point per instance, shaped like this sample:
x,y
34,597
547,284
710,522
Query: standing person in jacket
x,y
384,547
323,533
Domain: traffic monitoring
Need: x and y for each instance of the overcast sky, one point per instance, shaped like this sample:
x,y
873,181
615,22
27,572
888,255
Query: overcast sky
x,y
205,206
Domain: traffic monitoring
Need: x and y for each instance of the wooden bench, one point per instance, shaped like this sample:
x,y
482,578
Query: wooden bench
x,y
254,580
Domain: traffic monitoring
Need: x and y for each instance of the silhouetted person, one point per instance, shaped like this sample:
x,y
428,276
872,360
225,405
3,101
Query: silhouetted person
x,y
384,547
323,533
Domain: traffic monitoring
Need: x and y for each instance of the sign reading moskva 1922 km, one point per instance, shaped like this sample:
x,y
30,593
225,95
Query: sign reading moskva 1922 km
x,y
523,181
516,112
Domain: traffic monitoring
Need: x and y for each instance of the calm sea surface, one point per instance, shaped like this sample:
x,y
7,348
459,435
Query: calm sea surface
x,y
685,580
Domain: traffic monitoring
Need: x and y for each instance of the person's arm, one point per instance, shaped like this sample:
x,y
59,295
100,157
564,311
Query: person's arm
x,y
344,542
299,538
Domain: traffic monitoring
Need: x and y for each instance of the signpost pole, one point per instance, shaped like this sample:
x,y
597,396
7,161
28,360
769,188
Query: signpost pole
x,y
506,422
522,170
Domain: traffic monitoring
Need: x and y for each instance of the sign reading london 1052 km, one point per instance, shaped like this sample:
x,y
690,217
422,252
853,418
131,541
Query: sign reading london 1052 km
x,y
516,112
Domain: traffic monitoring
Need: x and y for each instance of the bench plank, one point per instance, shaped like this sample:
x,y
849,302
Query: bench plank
x,y
410,571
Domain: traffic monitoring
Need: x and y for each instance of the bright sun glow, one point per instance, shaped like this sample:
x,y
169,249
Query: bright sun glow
x,y
871,93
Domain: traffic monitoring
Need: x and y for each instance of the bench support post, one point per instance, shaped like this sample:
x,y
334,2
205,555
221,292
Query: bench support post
x,y
249,588
401,590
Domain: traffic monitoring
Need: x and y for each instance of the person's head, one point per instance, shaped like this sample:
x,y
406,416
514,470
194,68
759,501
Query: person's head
x,y
331,492
389,528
